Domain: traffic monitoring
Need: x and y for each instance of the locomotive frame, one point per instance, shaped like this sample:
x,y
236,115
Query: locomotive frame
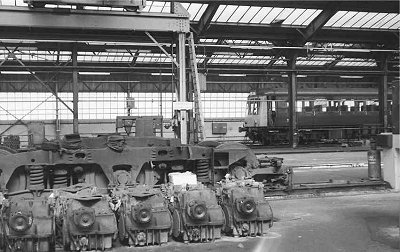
x,y
95,193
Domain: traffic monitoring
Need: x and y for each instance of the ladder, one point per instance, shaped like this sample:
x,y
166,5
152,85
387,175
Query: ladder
x,y
198,115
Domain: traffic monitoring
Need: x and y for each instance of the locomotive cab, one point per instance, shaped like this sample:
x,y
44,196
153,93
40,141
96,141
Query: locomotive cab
x,y
257,108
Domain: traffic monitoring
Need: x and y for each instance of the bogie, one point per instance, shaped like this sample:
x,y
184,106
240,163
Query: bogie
x,y
98,193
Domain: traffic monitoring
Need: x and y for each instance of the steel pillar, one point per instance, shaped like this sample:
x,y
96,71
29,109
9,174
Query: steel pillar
x,y
292,92
57,121
75,89
396,108
390,143
383,95
182,96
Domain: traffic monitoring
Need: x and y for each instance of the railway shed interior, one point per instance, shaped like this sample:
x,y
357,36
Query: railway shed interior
x,y
288,78
340,51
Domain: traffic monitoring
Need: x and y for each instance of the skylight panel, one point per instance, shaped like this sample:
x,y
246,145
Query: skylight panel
x,y
126,59
395,26
9,2
227,13
166,8
200,59
146,58
356,62
335,18
304,17
250,14
373,20
265,61
218,13
272,15
235,18
392,22
311,18
264,42
371,64
212,41
157,7
147,7
364,20
345,18
293,16
216,61
280,62
200,12
261,15
196,10
285,14
139,58
384,20
355,19
255,61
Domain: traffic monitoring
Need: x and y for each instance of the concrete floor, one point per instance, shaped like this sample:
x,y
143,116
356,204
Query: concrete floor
x,y
321,167
325,174
363,222
315,159
367,222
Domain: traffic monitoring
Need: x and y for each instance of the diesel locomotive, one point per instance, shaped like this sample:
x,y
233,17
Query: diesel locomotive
x,y
267,121
116,190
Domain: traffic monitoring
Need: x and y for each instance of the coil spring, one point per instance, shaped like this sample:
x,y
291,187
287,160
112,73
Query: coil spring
x,y
202,170
36,175
60,179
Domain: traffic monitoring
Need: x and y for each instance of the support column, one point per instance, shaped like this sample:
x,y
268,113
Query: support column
x,y
383,94
396,108
128,98
390,143
182,96
75,89
57,122
292,97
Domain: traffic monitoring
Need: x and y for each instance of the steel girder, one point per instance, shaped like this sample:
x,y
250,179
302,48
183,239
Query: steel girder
x,y
281,32
103,23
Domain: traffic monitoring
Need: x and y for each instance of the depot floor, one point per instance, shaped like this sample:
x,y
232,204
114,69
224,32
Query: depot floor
x,y
349,221
363,222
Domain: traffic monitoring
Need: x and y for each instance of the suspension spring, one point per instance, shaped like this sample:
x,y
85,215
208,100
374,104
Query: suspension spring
x,y
36,177
202,170
60,178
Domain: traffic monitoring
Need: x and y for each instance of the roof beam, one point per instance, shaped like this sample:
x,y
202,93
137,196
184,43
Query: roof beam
x,y
134,57
12,17
317,24
271,33
210,54
207,49
206,18
39,67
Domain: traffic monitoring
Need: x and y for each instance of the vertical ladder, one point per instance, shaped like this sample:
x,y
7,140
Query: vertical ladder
x,y
198,115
